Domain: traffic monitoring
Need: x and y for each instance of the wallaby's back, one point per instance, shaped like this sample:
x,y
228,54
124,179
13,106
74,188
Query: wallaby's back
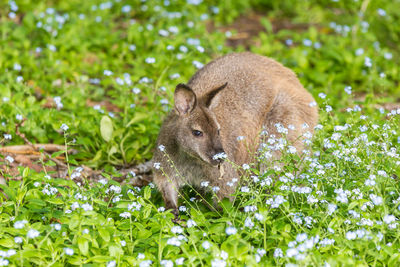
x,y
260,92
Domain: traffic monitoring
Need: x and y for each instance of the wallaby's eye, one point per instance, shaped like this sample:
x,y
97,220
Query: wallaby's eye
x,y
197,133
218,131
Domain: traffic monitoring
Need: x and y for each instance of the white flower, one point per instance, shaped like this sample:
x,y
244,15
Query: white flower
x,y
136,90
341,195
389,219
328,108
368,62
10,253
388,55
183,49
370,182
351,235
4,262
161,209
347,89
245,166
224,255
167,263
150,60
174,241
312,104
10,159
218,263
197,64
69,251
18,239
244,189
125,215
301,237
377,200
275,201
307,42
57,227
132,47
190,223
64,127
278,253
221,155
204,183
175,76
248,223
17,67
230,230
250,208
32,233
87,207
291,149
291,252
182,208
146,263
326,242
111,264
359,51
240,138
179,261
258,216
177,230
157,165
103,181
206,245
20,224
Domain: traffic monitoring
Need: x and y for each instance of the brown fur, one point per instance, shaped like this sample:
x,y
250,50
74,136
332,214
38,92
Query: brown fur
x,y
235,95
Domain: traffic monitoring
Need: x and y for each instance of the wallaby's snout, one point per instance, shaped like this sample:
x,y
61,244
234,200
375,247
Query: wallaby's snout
x,y
218,154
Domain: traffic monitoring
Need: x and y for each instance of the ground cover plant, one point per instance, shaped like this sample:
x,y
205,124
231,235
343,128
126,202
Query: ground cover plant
x,y
98,77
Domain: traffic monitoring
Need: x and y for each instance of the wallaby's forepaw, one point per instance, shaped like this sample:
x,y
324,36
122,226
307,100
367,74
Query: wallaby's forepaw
x,y
177,218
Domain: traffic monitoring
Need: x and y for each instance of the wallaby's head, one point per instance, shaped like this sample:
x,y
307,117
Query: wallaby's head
x,y
198,132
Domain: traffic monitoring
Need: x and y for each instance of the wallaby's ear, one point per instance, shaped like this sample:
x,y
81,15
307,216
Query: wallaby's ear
x,y
185,99
208,98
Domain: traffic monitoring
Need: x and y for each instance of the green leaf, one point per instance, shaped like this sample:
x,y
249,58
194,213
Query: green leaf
x,y
8,242
74,221
106,128
115,250
236,246
138,117
83,245
56,201
99,259
104,234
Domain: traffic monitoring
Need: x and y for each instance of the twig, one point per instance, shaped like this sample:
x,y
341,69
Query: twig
x,y
27,149
17,132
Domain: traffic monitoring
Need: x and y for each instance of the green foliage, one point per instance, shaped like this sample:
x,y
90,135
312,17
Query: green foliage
x,y
108,71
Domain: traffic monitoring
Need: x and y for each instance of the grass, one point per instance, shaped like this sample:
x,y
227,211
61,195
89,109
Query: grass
x,y
107,70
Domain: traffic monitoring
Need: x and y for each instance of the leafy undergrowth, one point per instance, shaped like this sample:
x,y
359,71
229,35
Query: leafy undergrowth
x,y
100,76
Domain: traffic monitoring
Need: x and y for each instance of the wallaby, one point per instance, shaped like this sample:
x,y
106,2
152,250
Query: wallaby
x,y
237,95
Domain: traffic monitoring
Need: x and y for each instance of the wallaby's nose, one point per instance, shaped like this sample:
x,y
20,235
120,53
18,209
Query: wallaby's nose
x,y
219,156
